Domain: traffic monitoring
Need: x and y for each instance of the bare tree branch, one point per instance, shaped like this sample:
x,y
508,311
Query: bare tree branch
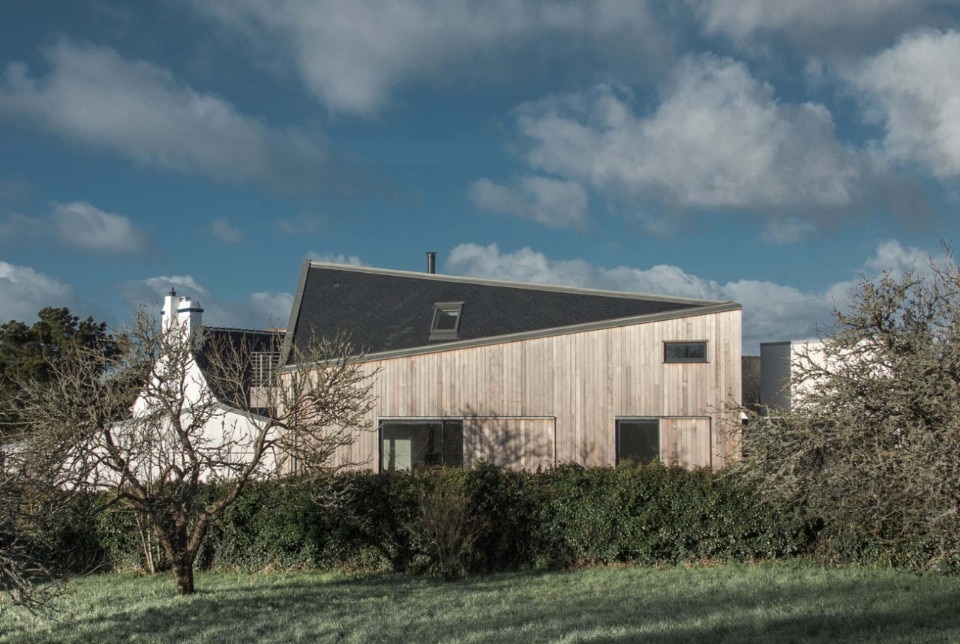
x,y
155,426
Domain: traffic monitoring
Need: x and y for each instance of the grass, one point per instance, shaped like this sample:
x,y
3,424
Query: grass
x,y
728,603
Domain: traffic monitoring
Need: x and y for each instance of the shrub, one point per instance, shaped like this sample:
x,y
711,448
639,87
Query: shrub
x,y
451,521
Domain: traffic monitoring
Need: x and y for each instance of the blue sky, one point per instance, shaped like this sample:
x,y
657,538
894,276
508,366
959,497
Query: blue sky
x,y
764,152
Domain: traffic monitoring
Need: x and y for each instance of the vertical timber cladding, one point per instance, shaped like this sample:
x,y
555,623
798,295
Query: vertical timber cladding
x,y
518,443
580,383
685,442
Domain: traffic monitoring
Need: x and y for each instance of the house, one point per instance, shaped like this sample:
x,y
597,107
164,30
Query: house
x,y
221,413
779,375
527,375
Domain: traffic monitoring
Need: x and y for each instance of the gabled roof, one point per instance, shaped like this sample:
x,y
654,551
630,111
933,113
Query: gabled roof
x,y
389,311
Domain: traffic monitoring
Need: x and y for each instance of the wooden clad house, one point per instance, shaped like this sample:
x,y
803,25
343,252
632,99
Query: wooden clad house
x,y
527,375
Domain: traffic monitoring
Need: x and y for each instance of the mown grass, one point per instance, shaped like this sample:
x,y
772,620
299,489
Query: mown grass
x,y
728,603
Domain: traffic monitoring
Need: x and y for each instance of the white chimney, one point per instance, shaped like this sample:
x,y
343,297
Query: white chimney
x,y
189,316
181,313
168,319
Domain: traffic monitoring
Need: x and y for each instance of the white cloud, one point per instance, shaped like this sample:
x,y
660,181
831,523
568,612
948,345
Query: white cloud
x,y
913,90
353,55
771,311
272,309
96,97
159,286
80,225
555,203
24,291
719,139
259,310
83,226
332,258
892,256
224,232
831,26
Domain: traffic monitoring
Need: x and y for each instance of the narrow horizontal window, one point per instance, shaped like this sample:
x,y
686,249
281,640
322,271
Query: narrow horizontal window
x,y
446,320
638,440
684,351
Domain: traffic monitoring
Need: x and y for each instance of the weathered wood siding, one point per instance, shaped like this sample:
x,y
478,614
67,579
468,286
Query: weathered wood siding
x,y
558,397
526,443
685,441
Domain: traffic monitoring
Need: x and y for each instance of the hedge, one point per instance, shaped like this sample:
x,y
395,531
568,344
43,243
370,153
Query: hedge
x,y
451,521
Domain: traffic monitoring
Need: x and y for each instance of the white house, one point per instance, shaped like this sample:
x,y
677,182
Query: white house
x,y
779,371
217,425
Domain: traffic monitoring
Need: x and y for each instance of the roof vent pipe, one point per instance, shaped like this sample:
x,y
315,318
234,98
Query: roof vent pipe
x,y
431,262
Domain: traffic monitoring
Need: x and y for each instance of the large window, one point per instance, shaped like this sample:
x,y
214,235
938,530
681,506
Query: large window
x,y
411,444
684,351
638,440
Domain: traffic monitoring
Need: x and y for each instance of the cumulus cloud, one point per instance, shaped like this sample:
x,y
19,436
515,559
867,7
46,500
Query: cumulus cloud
x,y
225,232
824,26
553,202
79,225
912,90
353,55
771,311
259,310
24,291
162,284
271,309
333,258
96,97
719,139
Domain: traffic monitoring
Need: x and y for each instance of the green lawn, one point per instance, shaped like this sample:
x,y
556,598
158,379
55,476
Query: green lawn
x,y
729,603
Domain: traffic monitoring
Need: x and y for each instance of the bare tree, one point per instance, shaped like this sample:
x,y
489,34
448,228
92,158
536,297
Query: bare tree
x,y
193,440
871,444
25,504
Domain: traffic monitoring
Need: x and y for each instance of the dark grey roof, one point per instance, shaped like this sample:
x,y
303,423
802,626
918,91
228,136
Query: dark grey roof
x,y
386,310
241,343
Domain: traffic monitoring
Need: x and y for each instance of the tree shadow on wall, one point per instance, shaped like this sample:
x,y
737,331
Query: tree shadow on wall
x,y
512,442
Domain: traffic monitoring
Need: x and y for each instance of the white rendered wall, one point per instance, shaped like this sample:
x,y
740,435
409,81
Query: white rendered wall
x,y
779,382
228,432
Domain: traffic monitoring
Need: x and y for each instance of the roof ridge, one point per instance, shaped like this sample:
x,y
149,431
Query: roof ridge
x,y
208,327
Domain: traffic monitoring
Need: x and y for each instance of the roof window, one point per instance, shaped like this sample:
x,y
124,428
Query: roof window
x,y
446,320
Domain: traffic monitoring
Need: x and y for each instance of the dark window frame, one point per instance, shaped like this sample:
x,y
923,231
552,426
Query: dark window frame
x,y
439,309
455,426
637,420
673,359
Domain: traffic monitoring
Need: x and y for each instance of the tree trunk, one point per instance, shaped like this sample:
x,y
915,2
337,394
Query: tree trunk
x,y
183,572
180,554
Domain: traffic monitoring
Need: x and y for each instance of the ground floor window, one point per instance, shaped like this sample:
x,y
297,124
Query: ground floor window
x,y
638,440
411,444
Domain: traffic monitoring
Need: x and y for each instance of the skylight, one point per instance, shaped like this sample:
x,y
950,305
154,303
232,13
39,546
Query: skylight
x,y
446,320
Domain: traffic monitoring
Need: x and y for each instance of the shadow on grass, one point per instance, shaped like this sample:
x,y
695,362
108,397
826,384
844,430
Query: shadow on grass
x,y
666,605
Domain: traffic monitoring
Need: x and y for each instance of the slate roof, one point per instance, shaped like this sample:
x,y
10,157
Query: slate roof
x,y
388,311
244,342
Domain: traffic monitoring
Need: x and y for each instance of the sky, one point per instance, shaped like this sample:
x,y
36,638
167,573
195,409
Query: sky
x,y
772,153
